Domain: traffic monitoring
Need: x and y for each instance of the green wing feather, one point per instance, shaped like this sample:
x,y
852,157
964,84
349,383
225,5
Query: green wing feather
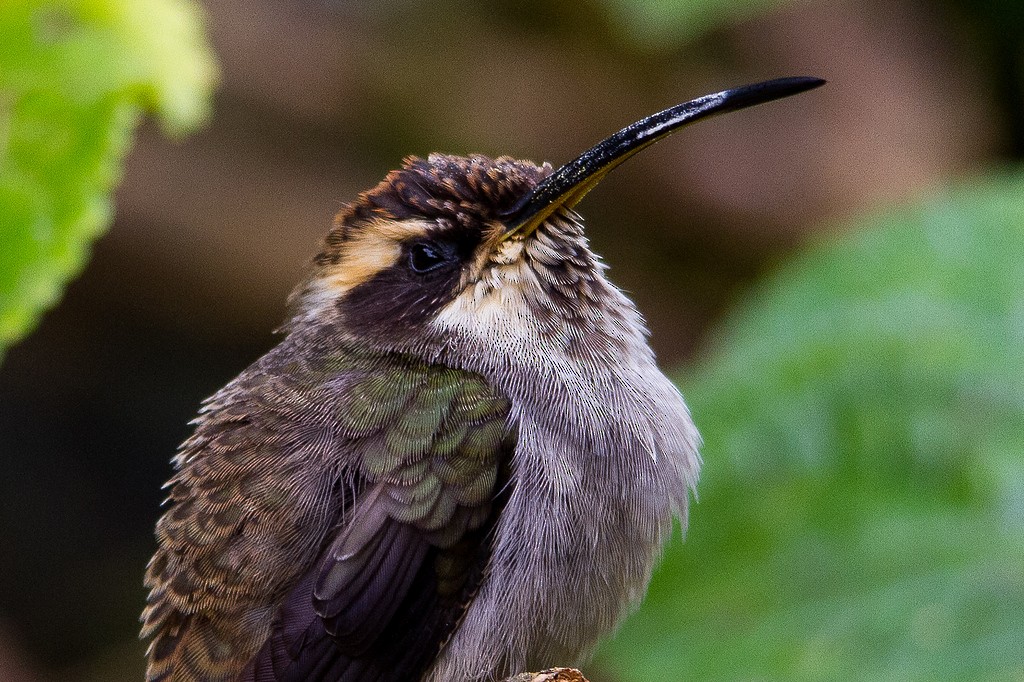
x,y
431,476
296,473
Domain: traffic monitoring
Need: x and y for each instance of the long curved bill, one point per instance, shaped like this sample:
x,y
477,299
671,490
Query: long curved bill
x,y
566,186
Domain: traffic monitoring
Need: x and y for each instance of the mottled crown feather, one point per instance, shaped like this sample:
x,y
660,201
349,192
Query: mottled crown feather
x,y
459,190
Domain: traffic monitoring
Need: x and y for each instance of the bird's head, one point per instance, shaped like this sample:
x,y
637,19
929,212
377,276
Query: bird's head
x,y
483,260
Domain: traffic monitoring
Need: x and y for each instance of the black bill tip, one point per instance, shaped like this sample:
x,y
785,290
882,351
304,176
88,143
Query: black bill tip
x,y
569,183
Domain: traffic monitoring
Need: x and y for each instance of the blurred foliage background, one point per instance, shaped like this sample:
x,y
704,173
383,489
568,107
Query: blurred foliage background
x,y
837,280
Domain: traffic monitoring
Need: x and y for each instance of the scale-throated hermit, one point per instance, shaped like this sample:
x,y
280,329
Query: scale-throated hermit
x,y
459,463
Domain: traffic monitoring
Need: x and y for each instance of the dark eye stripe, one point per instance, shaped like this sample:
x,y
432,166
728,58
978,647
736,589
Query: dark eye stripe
x,y
426,277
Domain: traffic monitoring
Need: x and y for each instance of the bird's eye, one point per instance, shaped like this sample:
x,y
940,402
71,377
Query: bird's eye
x,y
427,256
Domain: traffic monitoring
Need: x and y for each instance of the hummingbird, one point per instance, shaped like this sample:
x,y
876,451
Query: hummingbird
x,y
460,462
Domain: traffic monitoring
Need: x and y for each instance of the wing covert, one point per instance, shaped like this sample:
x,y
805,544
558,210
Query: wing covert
x,y
431,446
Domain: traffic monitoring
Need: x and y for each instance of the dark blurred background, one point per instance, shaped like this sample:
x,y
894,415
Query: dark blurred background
x,y
319,99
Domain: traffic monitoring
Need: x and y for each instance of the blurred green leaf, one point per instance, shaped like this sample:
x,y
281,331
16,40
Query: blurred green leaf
x,y
861,513
657,24
75,76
